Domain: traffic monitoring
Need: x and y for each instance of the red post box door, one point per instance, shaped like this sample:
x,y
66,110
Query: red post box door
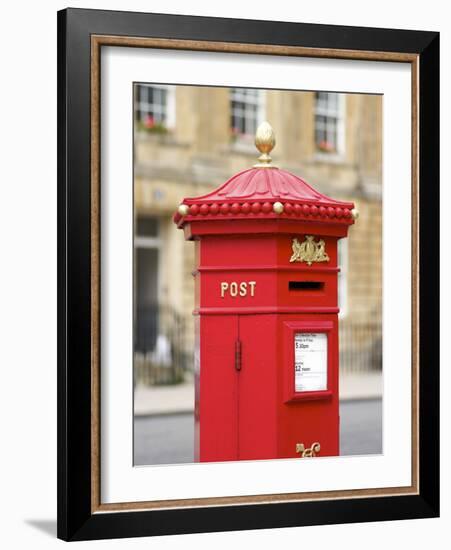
x,y
216,389
236,389
257,388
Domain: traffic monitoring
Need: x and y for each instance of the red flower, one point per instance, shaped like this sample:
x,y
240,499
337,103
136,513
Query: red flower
x,y
325,146
150,122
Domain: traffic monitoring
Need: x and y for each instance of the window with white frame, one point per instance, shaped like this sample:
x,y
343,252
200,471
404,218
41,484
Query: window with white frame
x,y
329,122
247,111
343,277
155,106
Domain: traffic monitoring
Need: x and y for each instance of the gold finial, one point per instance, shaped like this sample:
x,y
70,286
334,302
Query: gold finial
x,y
355,214
265,140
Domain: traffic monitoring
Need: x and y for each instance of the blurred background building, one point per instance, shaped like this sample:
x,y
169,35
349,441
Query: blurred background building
x,y
188,141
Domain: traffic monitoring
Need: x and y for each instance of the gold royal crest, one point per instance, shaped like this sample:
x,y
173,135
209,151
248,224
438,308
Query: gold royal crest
x,y
309,251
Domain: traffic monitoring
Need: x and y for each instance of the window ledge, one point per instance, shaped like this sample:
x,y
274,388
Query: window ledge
x,y
329,158
242,147
162,139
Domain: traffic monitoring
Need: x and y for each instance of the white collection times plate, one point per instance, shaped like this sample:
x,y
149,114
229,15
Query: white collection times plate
x,y
310,361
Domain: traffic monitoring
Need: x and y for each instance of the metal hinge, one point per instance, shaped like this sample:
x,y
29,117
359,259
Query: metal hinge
x,y
238,355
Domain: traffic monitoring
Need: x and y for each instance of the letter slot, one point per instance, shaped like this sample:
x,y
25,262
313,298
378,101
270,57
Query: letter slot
x,y
305,285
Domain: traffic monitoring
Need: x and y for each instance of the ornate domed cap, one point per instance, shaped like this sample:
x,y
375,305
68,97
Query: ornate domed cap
x,y
265,193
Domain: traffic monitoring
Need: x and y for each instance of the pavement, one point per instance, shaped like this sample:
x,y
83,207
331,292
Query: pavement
x,y
169,439
157,400
177,399
363,385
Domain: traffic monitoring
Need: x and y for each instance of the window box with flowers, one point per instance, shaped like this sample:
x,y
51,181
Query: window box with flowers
x,y
150,126
326,147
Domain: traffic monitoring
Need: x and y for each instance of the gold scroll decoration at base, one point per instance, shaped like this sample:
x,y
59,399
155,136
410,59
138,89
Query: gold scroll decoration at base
x,y
310,452
309,251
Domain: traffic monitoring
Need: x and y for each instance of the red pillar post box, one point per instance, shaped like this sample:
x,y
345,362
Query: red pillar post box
x,y
266,310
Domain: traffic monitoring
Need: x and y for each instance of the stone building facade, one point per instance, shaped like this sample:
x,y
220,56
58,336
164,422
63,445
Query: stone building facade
x,y
189,140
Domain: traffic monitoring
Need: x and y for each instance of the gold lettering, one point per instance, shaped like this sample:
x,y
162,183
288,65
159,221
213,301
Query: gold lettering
x,y
235,289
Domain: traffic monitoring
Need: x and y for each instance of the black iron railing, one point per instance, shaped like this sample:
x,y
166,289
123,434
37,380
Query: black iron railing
x,y
361,345
160,354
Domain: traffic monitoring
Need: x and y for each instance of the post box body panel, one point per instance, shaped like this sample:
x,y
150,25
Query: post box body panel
x,y
253,413
256,272
249,292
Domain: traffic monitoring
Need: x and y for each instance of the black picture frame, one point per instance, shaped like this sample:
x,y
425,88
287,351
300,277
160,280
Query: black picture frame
x,y
77,520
